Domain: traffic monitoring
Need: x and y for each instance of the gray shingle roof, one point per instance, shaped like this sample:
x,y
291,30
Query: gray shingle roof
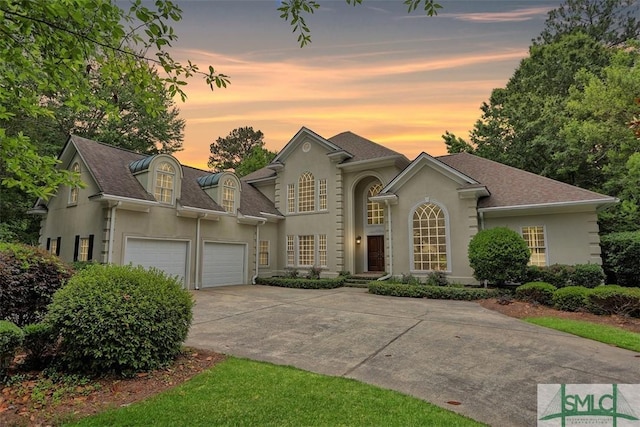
x,y
510,186
259,174
362,148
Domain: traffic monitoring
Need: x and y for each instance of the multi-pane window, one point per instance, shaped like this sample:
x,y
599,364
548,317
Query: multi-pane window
x,y
429,238
53,247
228,195
291,252
322,250
75,191
165,176
291,198
83,250
306,250
306,193
534,236
375,211
263,253
322,194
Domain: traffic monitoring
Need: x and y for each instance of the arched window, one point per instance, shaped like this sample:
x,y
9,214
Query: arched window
x,y
229,195
165,178
75,191
306,193
429,238
375,211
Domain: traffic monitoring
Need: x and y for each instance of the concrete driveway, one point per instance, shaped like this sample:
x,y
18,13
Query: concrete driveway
x,y
439,351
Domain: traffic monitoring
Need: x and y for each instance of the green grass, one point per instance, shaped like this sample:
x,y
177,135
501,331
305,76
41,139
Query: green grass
x,y
242,392
603,333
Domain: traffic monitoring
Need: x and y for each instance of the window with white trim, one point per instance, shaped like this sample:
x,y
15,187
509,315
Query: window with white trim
x,y
229,195
263,253
306,193
291,252
291,198
53,247
306,250
165,179
534,236
429,238
322,250
322,194
83,249
375,211
74,192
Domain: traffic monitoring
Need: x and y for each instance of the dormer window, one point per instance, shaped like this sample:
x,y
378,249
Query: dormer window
x,y
165,179
74,192
228,195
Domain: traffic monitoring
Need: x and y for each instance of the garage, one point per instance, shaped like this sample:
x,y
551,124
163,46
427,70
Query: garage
x,y
169,256
223,264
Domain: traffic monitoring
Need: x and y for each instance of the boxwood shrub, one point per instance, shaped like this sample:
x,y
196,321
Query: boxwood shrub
x,y
614,299
499,255
120,319
432,292
587,275
301,283
571,298
11,337
537,292
397,289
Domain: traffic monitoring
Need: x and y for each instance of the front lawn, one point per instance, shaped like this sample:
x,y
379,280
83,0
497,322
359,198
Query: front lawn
x,y
603,333
244,392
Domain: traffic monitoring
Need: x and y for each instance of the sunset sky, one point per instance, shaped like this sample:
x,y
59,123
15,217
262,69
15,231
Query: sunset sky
x,y
399,79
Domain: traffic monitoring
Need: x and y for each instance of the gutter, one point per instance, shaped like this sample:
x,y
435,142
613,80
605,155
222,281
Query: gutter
x,y
112,230
388,275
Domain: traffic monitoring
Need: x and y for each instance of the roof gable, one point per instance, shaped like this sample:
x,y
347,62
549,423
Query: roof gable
x,y
362,148
302,135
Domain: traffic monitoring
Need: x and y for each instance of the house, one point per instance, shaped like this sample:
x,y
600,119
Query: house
x,y
342,204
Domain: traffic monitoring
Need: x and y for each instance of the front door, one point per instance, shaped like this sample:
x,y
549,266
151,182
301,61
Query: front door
x,y
375,253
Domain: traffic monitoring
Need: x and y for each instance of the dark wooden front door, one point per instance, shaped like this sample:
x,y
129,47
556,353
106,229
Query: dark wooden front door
x,y
375,253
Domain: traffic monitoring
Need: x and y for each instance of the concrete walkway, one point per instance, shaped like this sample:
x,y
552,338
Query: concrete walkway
x,y
439,351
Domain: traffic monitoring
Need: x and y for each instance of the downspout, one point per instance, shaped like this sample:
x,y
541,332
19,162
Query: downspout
x,y
390,273
197,285
112,231
255,276
481,213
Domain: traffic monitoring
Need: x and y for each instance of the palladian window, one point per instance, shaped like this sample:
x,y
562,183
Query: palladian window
x,y
306,193
229,195
429,238
375,211
165,179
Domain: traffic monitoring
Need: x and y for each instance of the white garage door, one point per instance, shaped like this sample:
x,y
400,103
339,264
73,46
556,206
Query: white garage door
x,y
169,256
224,264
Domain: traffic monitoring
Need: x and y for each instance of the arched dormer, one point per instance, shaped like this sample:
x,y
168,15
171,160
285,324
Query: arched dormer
x,y
161,175
224,188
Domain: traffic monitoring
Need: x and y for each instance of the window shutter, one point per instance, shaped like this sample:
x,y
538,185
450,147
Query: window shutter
x,y
58,246
75,249
90,255
48,243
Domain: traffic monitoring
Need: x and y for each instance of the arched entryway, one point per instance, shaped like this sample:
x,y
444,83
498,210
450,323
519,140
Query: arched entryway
x,y
368,227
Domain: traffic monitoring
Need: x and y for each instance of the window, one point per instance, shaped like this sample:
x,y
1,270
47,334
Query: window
x,y
291,198
375,211
306,193
228,195
54,248
322,194
291,254
429,238
165,175
75,191
322,250
83,249
263,253
306,250
534,236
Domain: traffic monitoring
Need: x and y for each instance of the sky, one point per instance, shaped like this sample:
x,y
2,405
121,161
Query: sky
x,y
396,78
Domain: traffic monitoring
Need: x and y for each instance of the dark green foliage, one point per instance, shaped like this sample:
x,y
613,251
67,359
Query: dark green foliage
x,y
314,273
621,257
397,289
230,151
571,298
10,339
291,273
536,292
437,278
39,345
614,299
561,275
28,279
409,279
498,255
587,275
120,319
285,282
432,292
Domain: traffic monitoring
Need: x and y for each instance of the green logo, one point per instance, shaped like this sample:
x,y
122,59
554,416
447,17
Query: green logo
x,y
592,405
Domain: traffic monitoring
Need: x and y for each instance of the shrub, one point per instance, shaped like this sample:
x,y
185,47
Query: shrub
x,y
621,257
314,273
614,299
571,298
301,283
120,319
537,292
587,275
291,273
28,279
10,339
396,289
344,273
409,279
437,278
433,292
498,255
39,344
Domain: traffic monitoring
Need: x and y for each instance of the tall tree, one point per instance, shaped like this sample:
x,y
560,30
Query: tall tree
x,y
455,144
228,152
258,158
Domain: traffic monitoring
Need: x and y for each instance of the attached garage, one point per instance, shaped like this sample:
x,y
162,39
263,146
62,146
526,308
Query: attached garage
x,y
224,264
169,256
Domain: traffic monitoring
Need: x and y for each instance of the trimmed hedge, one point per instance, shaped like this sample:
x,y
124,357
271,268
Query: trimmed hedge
x,y
537,292
561,275
571,298
300,283
614,299
432,292
621,257
499,254
11,337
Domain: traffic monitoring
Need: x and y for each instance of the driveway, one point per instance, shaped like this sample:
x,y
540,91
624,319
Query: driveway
x,y
439,351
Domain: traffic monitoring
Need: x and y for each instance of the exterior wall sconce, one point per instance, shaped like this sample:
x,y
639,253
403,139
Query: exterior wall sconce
x,y
358,240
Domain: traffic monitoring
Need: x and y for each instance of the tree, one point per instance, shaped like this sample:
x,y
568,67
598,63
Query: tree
x,y
228,152
456,144
258,158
